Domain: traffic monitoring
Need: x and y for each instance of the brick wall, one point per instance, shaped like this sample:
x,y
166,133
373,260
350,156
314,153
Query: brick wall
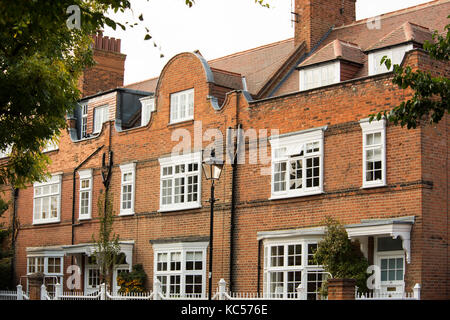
x,y
417,183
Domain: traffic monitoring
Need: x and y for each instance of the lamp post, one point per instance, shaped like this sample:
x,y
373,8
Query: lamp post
x,y
212,168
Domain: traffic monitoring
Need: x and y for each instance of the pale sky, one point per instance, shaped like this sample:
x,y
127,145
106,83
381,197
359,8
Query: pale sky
x,y
215,27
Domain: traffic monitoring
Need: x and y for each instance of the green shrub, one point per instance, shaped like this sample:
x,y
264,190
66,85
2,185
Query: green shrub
x,y
341,257
134,281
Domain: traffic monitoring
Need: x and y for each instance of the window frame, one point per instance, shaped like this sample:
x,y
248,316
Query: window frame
x,y
85,175
127,169
303,75
188,110
183,248
296,141
172,162
392,53
148,106
104,117
367,129
305,268
56,179
46,256
84,120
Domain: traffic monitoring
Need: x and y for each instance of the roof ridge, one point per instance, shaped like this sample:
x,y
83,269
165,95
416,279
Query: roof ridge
x,y
395,13
252,49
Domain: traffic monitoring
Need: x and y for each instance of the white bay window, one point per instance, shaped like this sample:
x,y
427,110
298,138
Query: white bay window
x,y
181,269
297,164
180,182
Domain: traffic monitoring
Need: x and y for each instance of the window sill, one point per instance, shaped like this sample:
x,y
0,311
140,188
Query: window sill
x,y
288,196
126,213
181,122
46,222
84,218
370,186
188,207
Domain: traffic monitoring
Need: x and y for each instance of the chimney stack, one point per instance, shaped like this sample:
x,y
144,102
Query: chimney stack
x,y
313,18
108,73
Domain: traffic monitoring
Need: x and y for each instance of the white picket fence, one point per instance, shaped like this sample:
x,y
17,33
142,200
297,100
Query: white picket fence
x,y
414,295
17,294
221,294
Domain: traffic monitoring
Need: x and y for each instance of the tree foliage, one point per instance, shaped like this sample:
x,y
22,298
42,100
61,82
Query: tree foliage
x,y
431,97
340,256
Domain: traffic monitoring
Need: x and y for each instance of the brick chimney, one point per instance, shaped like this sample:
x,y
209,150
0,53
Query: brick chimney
x,y
313,18
108,73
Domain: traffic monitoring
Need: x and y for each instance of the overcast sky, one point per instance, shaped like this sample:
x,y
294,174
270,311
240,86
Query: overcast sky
x,y
215,27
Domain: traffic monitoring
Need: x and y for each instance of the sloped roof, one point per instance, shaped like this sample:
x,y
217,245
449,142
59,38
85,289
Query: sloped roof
x,y
259,64
336,49
405,33
256,65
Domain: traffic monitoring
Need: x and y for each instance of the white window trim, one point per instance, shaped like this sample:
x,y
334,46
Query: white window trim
x,y
175,160
128,168
369,128
148,106
304,240
55,179
84,119
85,175
182,247
389,53
297,140
103,120
187,116
337,74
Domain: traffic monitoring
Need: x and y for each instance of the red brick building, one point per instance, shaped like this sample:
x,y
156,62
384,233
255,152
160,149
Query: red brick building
x,y
309,152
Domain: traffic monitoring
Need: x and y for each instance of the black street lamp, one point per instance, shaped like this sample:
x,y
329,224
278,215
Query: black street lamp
x,y
212,168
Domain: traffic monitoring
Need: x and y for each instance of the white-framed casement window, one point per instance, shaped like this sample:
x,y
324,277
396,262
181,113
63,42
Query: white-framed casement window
x,y
181,269
390,258
128,174
101,115
182,106
85,194
180,182
289,264
297,164
396,55
84,120
47,200
320,75
374,153
148,106
50,265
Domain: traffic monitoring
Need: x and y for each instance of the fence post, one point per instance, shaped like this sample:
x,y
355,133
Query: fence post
x,y
416,290
222,289
103,291
301,292
58,291
157,290
19,292
43,292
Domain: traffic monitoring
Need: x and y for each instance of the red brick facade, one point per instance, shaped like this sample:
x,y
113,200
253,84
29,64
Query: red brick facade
x,y
417,172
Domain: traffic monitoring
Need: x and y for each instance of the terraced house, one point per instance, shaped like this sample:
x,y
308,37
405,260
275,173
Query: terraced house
x,y
310,152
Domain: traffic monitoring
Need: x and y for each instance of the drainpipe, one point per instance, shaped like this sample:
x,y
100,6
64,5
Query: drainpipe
x,y
233,194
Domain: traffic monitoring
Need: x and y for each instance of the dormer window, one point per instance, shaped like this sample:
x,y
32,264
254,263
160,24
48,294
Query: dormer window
x,y
84,120
148,106
396,55
182,106
320,75
100,117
